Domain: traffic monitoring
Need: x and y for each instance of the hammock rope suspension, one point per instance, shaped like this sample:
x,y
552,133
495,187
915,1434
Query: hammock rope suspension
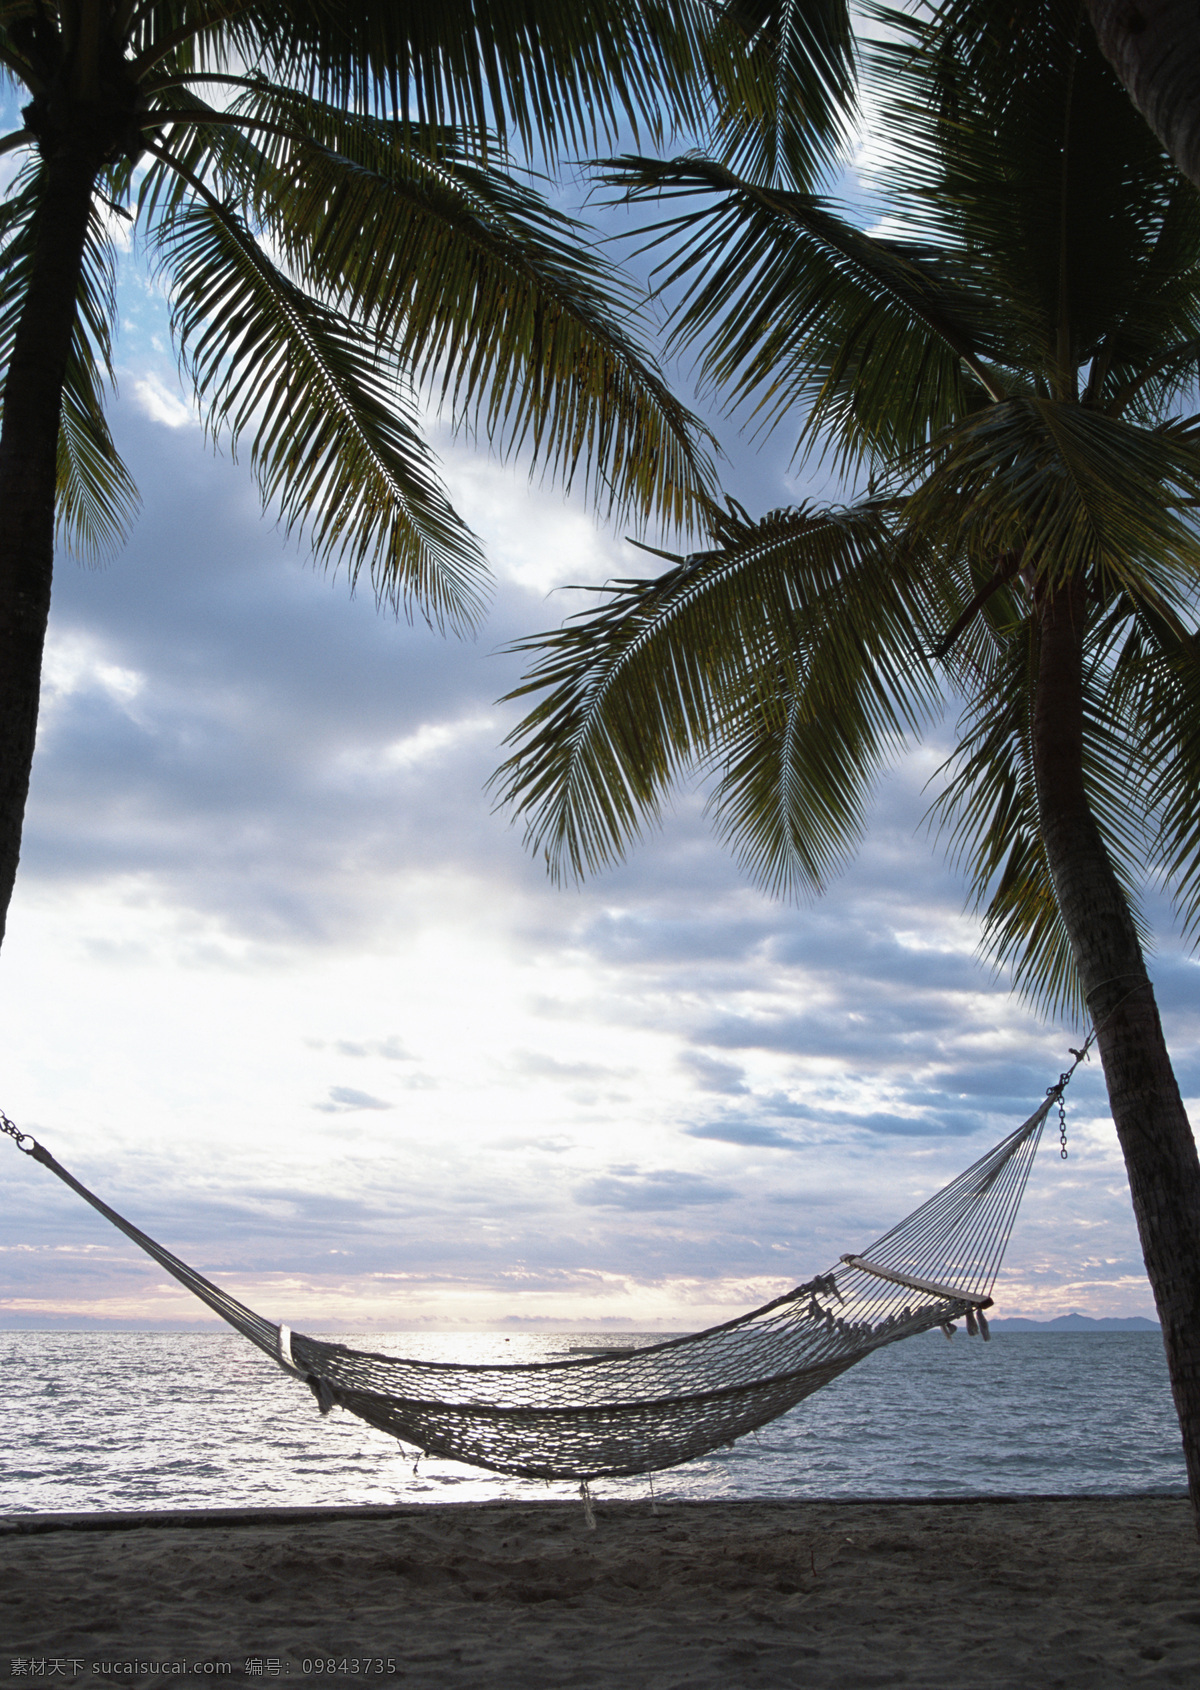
x,y
640,1411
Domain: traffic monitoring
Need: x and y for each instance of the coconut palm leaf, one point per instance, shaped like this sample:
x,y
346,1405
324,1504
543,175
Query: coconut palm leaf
x,y
476,283
98,500
467,272
735,658
545,73
986,129
467,275
332,434
1072,490
797,315
333,270
782,101
1050,513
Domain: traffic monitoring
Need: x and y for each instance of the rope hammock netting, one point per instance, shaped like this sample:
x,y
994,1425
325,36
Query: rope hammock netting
x,y
643,1410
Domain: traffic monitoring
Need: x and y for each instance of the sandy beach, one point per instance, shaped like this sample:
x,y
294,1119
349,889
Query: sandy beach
x,y
1025,1594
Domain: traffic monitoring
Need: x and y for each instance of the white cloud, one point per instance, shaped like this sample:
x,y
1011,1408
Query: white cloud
x,y
72,664
157,401
430,740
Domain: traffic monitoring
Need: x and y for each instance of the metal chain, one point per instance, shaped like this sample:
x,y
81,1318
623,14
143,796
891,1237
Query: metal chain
x,y
14,1131
1062,1127
1057,1091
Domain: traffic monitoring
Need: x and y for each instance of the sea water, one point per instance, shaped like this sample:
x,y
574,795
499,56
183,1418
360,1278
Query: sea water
x,y
159,1420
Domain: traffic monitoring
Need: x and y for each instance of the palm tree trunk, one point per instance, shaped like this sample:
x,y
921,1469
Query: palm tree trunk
x,y
1152,1125
1154,47
28,473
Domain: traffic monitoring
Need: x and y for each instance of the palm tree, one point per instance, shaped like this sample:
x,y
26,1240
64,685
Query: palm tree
x,y
1007,373
324,186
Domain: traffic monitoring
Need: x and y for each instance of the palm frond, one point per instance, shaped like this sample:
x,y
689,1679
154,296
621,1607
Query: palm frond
x,y
548,74
805,320
1022,159
478,284
97,499
785,656
785,88
333,437
1071,489
16,70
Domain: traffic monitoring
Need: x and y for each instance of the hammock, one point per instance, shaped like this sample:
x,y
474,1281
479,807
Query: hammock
x,y
643,1410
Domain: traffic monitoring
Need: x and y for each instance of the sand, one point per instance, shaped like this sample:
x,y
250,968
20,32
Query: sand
x,y
1023,1594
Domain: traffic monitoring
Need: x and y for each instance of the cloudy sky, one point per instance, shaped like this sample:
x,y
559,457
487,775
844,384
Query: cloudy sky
x,y
284,990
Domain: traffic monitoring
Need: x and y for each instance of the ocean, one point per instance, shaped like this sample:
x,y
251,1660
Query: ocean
x,y
160,1420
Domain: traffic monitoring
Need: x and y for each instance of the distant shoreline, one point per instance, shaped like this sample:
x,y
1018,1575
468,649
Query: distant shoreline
x,y
1000,1323
1076,1323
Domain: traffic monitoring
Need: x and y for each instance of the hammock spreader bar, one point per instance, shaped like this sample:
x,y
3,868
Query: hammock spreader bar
x,y
643,1410
915,1284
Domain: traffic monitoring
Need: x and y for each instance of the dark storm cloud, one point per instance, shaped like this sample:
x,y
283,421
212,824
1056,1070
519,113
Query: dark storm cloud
x,y
248,771
484,1223
514,1223
994,1083
249,777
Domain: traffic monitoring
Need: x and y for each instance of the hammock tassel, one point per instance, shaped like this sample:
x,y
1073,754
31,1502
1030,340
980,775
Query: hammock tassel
x,y
323,1391
972,1326
589,1513
949,1328
984,1332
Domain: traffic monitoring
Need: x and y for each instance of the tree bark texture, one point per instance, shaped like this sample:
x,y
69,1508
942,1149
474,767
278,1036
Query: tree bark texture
x,y
28,474
1154,47
1147,1109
